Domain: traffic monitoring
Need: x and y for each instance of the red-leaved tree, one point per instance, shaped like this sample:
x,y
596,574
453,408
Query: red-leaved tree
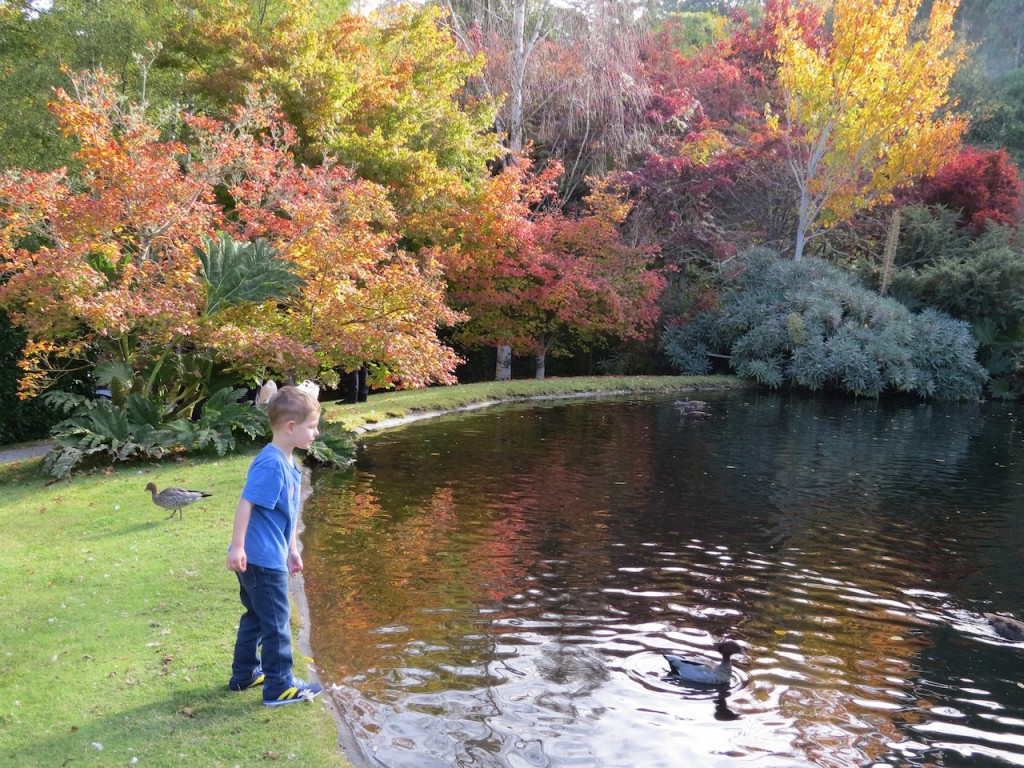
x,y
981,185
716,181
539,280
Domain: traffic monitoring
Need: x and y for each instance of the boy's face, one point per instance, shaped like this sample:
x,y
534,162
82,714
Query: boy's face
x,y
303,433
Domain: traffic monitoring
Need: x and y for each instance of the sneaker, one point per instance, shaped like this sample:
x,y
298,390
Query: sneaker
x,y
299,691
257,679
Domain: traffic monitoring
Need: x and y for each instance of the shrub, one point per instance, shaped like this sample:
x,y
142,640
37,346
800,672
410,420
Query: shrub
x,y
982,284
334,448
134,427
20,420
930,233
97,427
809,324
137,428
982,186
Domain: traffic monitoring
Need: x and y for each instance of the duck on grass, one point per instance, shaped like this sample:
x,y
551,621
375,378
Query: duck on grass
x,y
175,499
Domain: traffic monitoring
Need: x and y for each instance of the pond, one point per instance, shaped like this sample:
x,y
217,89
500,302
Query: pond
x,y
497,588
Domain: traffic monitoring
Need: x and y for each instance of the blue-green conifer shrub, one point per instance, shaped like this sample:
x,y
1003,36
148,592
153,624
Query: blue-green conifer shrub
x,y
808,324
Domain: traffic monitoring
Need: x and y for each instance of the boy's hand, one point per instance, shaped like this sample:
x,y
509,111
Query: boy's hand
x,y
237,560
294,562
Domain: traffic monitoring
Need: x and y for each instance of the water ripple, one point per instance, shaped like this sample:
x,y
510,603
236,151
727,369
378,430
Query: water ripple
x,y
468,615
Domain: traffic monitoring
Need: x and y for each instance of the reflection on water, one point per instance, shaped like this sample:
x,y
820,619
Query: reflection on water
x,y
497,588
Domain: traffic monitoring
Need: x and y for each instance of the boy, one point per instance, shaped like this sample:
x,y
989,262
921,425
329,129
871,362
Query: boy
x,y
264,551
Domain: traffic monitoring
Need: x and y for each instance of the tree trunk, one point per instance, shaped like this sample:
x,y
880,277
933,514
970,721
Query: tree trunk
x,y
801,225
541,356
1018,48
521,51
519,56
503,367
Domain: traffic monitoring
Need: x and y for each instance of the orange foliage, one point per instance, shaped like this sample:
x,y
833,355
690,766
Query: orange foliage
x,y
101,260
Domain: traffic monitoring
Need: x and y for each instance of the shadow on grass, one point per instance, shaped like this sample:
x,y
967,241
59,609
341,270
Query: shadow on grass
x,y
196,726
133,529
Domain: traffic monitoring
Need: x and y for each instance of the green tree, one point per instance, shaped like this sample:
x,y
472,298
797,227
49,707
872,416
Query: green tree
x,y
42,41
692,31
978,280
382,94
997,29
998,108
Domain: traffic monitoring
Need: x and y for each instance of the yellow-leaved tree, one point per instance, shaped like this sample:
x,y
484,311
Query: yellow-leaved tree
x,y
865,110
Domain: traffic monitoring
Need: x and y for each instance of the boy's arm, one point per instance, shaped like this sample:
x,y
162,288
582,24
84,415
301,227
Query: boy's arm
x,y
294,558
236,553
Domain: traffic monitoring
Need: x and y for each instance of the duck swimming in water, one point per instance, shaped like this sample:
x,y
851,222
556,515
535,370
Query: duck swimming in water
x,y
1004,626
691,409
689,406
703,671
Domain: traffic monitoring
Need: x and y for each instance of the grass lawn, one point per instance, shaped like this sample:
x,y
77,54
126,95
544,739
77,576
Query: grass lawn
x,y
117,625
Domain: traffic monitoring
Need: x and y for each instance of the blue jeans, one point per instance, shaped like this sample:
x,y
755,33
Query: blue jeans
x,y
266,621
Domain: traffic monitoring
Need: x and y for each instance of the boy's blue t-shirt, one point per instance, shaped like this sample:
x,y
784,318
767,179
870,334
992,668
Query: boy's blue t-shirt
x,y
272,485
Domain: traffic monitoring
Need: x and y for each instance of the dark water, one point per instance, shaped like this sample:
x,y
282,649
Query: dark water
x,y
496,588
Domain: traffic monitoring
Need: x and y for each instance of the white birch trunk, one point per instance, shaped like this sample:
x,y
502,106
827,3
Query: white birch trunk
x,y
520,53
802,224
503,367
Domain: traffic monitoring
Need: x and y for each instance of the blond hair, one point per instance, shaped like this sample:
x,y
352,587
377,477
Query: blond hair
x,y
291,404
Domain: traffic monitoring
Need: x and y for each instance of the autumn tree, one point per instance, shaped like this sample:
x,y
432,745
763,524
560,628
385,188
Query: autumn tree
x,y
111,261
571,85
382,94
863,113
593,285
570,79
542,280
981,186
507,35
713,182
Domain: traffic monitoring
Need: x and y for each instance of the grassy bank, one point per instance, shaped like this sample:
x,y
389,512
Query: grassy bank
x,y
116,628
380,409
116,625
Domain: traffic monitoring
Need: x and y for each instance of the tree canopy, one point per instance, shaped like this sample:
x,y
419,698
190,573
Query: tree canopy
x,y
862,111
101,261
225,189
